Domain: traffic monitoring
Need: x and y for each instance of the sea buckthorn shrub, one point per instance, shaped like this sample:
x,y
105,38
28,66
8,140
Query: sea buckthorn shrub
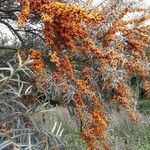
x,y
93,53
26,119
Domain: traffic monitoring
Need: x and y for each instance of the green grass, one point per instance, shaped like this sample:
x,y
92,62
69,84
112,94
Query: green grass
x,y
73,139
144,106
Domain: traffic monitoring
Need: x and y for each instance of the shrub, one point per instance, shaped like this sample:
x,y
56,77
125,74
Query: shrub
x,y
91,56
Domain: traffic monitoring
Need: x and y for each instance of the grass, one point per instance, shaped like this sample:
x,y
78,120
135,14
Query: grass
x,y
144,106
126,136
73,139
133,138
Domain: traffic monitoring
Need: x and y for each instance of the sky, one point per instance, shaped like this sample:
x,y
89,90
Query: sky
x,y
145,2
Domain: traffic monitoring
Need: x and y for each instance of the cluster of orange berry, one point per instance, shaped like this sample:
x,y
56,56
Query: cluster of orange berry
x,y
37,64
94,122
22,17
114,60
123,97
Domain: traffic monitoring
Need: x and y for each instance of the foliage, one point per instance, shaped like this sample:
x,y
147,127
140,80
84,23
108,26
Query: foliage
x,y
90,56
19,128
